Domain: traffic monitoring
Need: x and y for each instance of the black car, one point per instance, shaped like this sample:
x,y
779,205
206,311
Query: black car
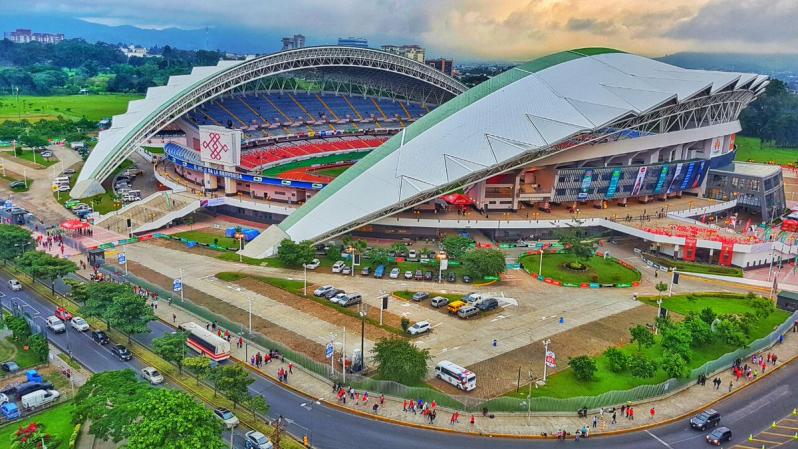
x,y
488,304
451,277
705,420
332,292
427,275
99,337
9,366
719,435
122,352
467,279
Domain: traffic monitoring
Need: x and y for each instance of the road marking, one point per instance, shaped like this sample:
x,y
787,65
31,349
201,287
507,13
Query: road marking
x,y
659,439
766,441
745,447
778,434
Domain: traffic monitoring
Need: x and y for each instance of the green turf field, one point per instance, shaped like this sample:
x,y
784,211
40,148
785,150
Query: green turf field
x,y
208,238
748,149
599,269
274,171
94,107
331,172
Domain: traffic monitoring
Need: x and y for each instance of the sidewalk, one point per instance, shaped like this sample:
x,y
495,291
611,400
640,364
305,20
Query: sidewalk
x,y
311,385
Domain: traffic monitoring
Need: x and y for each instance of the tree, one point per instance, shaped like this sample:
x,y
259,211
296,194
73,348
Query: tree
x,y
763,307
677,339
642,336
674,365
573,244
99,298
233,382
295,254
377,256
13,241
707,315
400,361
641,366
398,248
456,246
661,288
257,404
729,331
78,291
483,262
39,347
19,327
130,314
584,367
617,360
110,400
200,366
38,264
172,348
699,330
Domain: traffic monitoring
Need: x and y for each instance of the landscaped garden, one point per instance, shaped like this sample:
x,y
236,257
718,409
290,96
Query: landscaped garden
x,y
570,269
56,422
706,327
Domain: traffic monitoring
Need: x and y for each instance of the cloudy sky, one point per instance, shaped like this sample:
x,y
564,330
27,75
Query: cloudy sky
x,y
473,29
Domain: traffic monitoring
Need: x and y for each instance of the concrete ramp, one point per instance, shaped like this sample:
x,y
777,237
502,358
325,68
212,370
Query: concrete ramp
x,y
265,244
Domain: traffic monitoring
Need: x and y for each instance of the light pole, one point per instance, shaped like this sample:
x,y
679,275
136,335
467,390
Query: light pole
x,y
250,315
240,236
305,279
343,358
659,311
540,269
351,251
441,257
363,312
545,355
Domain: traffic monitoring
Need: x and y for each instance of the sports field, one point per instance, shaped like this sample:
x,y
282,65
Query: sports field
x,y
324,160
93,107
331,172
751,149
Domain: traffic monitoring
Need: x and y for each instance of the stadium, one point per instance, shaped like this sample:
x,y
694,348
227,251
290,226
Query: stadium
x,y
321,142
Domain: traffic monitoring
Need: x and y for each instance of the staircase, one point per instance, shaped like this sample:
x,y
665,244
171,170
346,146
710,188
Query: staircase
x,y
351,106
150,213
231,114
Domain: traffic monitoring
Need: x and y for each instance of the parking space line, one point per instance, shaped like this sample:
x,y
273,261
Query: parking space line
x,y
740,446
777,434
759,440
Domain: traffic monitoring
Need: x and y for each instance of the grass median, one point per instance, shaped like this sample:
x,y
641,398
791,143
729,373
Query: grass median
x,y
597,269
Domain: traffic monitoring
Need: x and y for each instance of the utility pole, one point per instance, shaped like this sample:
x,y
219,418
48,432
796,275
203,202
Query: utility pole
x,y
545,354
659,312
343,358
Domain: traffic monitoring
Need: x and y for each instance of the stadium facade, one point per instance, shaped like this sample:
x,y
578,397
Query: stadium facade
x,y
583,129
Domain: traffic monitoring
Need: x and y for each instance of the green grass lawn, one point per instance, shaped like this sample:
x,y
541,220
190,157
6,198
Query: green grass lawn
x,y
57,422
563,384
25,359
751,149
604,270
691,267
274,171
209,238
154,150
93,107
268,262
27,155
331,172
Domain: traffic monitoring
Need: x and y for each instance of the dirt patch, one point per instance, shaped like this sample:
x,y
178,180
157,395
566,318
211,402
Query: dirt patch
x,y
271,330
321,311
499,374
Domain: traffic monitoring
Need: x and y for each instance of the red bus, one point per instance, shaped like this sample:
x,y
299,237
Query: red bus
x,y
206,342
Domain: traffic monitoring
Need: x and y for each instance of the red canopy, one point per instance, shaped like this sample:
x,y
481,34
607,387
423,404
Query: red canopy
x,y
458,199
71,225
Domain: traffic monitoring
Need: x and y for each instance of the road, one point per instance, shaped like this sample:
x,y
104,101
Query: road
x,y
748,412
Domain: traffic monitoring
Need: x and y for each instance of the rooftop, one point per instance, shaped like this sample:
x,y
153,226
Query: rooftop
x,y
749,169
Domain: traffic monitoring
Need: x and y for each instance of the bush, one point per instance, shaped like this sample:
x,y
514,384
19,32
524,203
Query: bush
x,y
73,440
584,367
641,366
674,365
617,360
405,324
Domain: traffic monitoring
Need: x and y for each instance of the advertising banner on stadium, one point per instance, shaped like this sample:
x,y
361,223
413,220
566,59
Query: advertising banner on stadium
x,y
688,177
717,147
243,177
663,174
702,170
587,180
641,176
220,145
614,180
676,174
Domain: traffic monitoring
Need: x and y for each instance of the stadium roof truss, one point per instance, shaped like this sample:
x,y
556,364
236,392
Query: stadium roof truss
x,y
553,104
163,104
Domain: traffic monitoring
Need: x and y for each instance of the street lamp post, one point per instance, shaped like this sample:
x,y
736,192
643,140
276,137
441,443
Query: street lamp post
x,y
659,311
540,269
305,279
441,257
363,312
545,354
240,237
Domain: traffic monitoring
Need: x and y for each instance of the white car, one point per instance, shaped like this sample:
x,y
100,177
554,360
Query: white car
x,y
338,266
412,254
257,440
151,375
347,270
79,324
47,154
419,328
313,264
227,417
322,290
55,325
3,399
339,298
63,188
14,285
408,275
394,274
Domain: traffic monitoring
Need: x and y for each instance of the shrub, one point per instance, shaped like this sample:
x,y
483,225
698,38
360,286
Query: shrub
x,y
674,365
584,367
617,360
405,324
641,366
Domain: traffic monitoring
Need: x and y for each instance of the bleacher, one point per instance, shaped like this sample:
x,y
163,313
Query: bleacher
x,y
280,113
266,156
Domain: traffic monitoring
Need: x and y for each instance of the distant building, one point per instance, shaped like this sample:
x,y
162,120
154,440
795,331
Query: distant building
x,y
23,36
360,42
441,64
132,51
290,43
414,52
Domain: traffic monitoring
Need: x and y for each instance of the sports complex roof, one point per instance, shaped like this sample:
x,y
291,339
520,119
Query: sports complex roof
x,y
521,115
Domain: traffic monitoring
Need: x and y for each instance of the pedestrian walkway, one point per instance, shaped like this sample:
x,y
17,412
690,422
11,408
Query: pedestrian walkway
x,y
312,385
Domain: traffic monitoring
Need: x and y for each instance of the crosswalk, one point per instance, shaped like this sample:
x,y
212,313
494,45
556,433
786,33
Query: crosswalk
x,y
781,434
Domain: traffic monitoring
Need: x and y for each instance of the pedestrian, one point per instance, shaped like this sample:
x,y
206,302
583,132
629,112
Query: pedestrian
x,y
365,397
351,393
623,409
614,418
595,422
631,413
252,360
357,397
651,413
451,421
730,386
241,343
472,420
382,399
375,407
404,406
290,368
174,318
775,357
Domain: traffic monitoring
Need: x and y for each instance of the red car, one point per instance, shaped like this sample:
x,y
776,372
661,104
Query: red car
x,y
63,314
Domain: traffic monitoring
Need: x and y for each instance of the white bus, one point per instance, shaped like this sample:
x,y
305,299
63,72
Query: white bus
x,y
206,342
456,375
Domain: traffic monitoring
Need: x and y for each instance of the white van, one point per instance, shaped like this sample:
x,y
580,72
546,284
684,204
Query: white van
x,y
61,180
39,398
456,375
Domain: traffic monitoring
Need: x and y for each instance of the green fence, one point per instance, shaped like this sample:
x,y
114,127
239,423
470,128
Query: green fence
x,y
468,403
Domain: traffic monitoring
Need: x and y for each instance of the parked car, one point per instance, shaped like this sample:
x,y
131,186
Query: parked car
x,y
332,292
99,337
9,366
55,325
4,399
39,398
420,296
227,417
419,328
439,301
63,188
467,279
394,273
705,420
18,184
488,304
322,290
47,154
346,270
79,324
451,277
365,271
63,314
408,275
257,440
9,411
14,285
412,255
151,375
121,352
69,172
338,299
379,272
338,266
467,312
351,299
419,275
719,435
455,306
427,275
26,388
472,298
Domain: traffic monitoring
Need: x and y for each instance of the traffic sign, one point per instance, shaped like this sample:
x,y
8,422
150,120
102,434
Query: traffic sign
x,y
328,353
122,259
551,359
177,285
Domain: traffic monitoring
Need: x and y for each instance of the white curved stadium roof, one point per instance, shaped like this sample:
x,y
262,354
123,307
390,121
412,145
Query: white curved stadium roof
x,y
531,106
